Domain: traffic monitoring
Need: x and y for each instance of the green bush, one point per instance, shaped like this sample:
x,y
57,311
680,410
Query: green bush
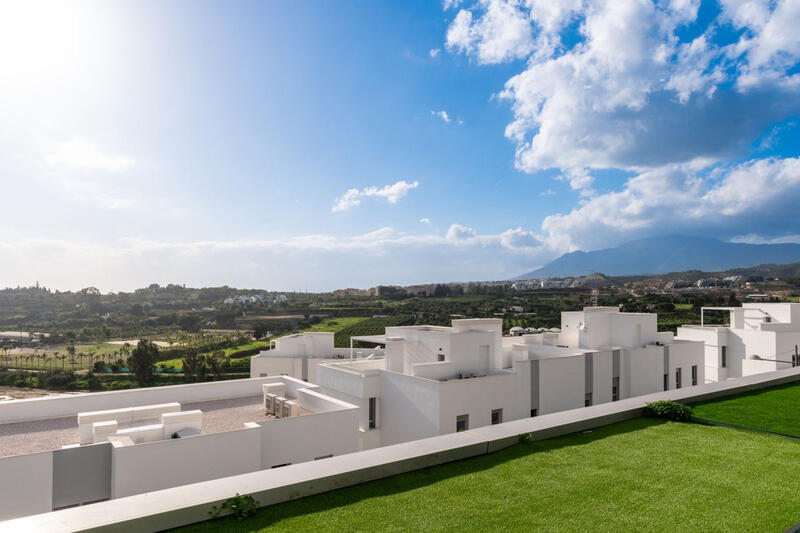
x,y
241,506
668,410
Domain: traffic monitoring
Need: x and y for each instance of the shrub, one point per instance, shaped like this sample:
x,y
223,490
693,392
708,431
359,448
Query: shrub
x,y
525,438
57,379
99,367
668,410
241,506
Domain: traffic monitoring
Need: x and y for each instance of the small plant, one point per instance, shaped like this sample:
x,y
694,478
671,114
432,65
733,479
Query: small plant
x,y
241,506
525,438
668,410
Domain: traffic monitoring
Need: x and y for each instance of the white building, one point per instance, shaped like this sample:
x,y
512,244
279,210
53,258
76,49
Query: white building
x,y
435,380
75,449
759,337
298,355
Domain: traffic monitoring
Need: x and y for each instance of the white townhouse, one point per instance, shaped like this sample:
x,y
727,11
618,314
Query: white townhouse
x,y
299,354
435,380
759,337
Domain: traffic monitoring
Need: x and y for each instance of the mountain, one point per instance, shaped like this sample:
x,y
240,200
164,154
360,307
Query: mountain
x,y
669,253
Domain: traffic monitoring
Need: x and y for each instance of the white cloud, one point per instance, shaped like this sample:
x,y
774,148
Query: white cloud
x,y
754,238
457,232
79,154
434,53
728,200
442,115
579,180
628,93
425,220
501,33
381,256
392,193
547,192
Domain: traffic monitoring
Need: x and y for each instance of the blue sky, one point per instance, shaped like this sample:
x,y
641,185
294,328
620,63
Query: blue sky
x,y
316,145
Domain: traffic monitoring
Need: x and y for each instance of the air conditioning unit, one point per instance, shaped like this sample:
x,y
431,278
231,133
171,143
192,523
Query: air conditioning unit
x,y
269,403
290,408
277,406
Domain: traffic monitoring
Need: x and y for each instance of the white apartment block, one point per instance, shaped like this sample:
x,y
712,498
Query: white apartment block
x,y
299,355
435,380
759,337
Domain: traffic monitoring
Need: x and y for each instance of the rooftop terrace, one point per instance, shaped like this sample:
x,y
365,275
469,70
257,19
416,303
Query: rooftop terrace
x,y
43,435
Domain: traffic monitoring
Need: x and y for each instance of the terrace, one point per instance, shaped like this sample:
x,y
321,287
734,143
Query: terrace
x,y
32,436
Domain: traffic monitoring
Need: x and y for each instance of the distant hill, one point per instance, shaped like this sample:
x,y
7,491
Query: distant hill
x,y
670,253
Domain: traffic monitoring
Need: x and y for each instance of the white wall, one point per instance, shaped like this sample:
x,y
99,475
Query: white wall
x,y
684,355
71,405
273,365
642,371
26,485
305,438
562,382
409,408
477,397
170,463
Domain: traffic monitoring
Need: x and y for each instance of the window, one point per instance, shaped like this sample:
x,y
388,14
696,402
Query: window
x,y
372,412
694,375
462,422
724,357
534,412
497,416
666,381
677,378
587,400
441,357
614,389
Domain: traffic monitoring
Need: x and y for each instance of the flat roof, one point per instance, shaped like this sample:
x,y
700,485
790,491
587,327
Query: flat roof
x,y
377,339
17,438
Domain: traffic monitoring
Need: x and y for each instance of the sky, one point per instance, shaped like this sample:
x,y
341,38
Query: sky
x,y
314,145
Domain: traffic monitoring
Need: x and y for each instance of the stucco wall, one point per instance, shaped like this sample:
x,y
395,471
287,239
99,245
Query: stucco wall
x,y
170,463
26,485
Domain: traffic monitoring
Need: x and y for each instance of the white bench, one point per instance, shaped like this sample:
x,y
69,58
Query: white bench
x,y
127,414
174,422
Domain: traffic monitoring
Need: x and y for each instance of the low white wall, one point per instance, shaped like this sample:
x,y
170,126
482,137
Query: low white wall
x,y
308,437
26,485
170,463
71,405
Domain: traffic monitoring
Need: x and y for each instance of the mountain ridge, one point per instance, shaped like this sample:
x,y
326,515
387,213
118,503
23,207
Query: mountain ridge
x,y
667,253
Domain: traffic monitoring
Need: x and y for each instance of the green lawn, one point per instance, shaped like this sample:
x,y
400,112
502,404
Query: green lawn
x,y
640,475
774,409
336,324
178,362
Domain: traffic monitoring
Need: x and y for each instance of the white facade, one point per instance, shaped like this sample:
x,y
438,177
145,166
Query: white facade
x,y
759,337
70,468
436,380
298,356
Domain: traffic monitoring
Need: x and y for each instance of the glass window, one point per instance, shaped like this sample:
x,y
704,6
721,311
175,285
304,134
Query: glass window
x,y
462,422
677,378
497,416
534,412
694,375
588,400
373,409
666,381
724,356
615,389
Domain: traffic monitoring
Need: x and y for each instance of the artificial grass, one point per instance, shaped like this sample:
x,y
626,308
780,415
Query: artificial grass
x,y
639,475
774,409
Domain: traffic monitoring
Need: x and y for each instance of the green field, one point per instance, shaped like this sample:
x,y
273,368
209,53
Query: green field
x,y
336,324
774,409
640,475
178,362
